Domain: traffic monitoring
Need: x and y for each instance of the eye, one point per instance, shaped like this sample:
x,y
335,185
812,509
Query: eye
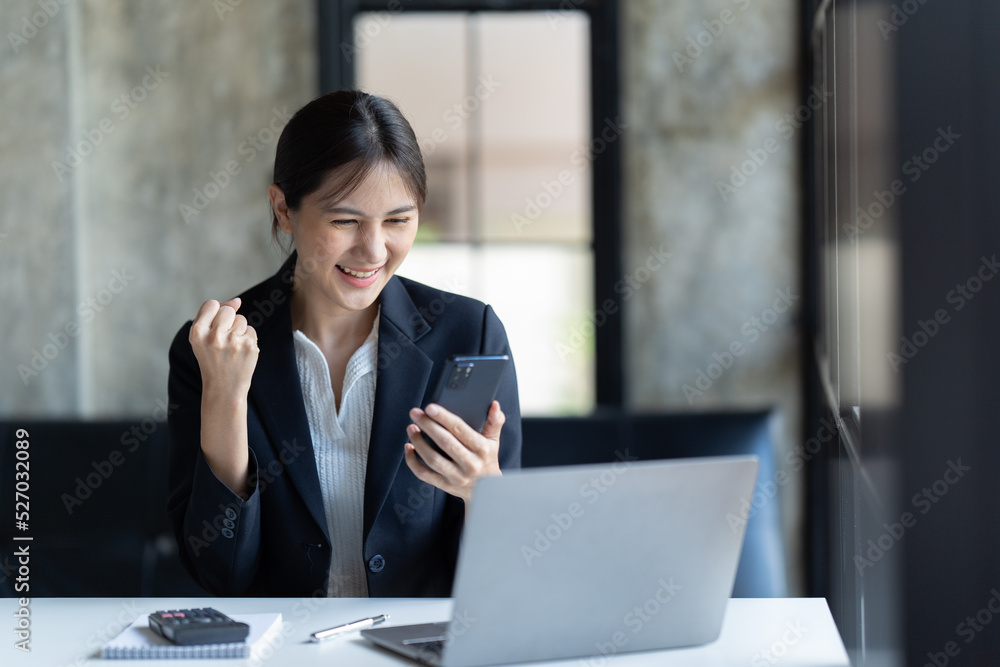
x,y
342,223
398,220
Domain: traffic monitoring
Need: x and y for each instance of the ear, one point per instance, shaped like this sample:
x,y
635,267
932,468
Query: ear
x,y
280,208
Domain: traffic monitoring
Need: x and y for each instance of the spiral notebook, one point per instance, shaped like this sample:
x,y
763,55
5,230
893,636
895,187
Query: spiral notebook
x,y
137,641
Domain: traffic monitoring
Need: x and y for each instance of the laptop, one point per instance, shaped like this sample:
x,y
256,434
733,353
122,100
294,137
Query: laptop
x,y
590,561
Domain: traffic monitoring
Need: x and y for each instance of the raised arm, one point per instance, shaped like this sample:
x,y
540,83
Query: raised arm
x,y
226,349
213,501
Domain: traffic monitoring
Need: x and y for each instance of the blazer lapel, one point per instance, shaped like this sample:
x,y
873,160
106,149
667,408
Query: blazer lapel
x,y
278,397
403,374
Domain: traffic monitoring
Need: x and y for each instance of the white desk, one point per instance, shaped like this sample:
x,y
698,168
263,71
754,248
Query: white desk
x,y
68,631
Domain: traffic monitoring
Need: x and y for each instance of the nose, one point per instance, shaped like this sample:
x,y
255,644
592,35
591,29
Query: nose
x,y
371,245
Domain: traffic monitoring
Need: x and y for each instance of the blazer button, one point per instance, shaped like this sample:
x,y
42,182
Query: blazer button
x,y
227,532
230,513
376,563
228,523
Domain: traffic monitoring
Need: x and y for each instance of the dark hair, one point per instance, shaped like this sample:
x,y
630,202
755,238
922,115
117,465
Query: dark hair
x,y
350,129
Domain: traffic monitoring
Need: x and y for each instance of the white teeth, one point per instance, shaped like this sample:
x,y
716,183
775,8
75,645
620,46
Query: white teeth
x,y
357,274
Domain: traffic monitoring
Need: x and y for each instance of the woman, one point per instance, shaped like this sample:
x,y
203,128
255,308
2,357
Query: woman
x,y
298,464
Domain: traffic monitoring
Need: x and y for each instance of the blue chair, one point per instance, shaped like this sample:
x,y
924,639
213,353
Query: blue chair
x,y
595,439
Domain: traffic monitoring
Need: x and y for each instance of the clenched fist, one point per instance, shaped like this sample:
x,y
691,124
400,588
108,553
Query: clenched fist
x,y
225,347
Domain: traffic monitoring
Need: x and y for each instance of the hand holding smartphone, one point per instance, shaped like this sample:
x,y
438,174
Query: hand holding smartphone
x,y
467,387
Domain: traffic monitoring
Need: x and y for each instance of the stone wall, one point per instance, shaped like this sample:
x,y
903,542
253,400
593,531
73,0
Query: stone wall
x,y
706,81
115,116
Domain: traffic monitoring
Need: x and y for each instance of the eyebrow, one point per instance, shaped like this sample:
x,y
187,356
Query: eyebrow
x,y
353,211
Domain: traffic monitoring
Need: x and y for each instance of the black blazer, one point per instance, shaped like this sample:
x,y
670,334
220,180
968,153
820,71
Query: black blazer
x,y
276,542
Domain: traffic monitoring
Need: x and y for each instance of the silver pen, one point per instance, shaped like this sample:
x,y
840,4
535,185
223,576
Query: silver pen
x,y
338,630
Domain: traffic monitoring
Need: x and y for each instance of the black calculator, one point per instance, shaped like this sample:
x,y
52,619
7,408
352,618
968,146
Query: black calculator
x,y
188,627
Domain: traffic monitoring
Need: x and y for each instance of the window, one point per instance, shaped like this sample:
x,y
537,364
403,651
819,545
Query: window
x,y
855,233
503,103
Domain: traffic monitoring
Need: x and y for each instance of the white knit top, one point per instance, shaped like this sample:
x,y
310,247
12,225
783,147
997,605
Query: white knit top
x,y
340,441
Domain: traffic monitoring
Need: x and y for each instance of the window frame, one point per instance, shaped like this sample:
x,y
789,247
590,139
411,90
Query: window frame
x,y
335,38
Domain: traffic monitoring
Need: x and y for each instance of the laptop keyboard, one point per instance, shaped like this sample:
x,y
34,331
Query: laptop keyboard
x,y
427,652
435,646
430,647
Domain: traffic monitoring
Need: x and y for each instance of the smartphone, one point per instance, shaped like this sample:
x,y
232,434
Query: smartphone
x,y
467,387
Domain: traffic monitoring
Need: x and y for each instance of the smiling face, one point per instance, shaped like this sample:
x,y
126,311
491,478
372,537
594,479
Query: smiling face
x,y
349,249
